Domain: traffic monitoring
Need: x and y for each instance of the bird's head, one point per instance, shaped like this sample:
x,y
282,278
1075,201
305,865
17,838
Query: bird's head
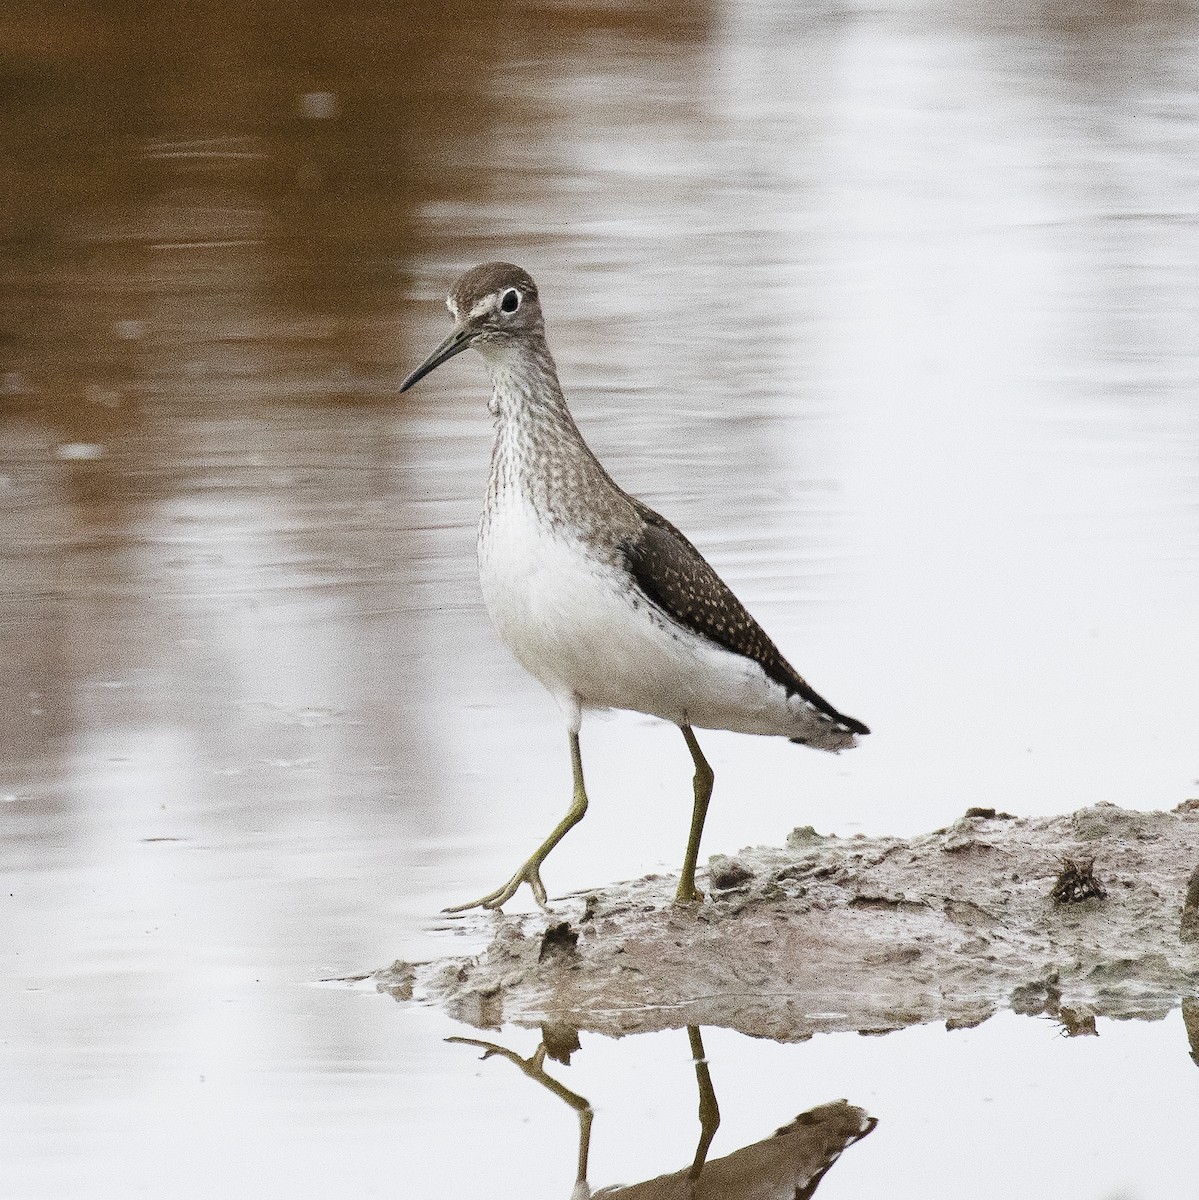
x,y
492,305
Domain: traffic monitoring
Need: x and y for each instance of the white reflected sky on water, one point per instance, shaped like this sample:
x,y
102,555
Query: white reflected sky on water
x,y
905,340
394,1110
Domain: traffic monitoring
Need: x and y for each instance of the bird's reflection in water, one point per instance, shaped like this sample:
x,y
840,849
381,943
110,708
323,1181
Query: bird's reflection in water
x,y
789,1164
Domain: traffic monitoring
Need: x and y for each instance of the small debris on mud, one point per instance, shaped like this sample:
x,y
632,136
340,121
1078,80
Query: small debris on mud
x,y
558,940
724,874
1189,929
862,934
1076,882
1033,999
804,835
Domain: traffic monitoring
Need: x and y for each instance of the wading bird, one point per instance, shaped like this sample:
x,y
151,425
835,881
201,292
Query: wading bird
x,y
602,600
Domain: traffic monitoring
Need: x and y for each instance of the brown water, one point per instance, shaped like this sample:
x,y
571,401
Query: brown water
x,y
892,308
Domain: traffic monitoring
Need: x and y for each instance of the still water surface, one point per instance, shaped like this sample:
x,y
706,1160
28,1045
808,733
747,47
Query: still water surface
x,y
892,308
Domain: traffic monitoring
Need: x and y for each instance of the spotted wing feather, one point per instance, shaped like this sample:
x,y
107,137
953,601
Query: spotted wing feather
x,y
678,579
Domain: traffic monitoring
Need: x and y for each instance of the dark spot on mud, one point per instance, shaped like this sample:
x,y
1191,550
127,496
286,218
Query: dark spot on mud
x,y
900,955
968,914
1032,999
989,814
727,873
559,941
867,900
1076,882
957,842
1189,932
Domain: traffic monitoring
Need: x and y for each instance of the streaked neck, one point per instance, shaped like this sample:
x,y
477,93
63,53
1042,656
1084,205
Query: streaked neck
x,y
524,379
539,451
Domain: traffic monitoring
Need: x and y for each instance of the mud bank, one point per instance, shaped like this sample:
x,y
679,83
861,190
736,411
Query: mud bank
x,y
865,934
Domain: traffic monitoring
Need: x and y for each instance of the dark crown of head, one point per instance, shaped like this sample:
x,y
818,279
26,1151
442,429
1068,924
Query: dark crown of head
x,y
488,279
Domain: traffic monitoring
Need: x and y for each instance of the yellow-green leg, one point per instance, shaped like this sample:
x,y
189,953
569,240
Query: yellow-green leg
x,y
688,893
530,872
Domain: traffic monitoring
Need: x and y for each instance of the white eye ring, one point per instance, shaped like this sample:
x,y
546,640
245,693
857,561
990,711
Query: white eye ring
x,y
510,301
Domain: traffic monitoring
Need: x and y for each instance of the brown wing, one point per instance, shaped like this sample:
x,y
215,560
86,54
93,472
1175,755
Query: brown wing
x,y
678,579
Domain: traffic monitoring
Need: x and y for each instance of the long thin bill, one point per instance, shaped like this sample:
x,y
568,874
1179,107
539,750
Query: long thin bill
x,y
458,341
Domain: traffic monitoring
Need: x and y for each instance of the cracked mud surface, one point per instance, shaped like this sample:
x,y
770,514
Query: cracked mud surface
x,y
865,934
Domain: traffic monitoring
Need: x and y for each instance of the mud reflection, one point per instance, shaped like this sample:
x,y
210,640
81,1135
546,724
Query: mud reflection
x,y
787,1165
1190,1018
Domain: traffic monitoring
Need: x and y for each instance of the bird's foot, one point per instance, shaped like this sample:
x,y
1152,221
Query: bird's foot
x,y
688,893
530,873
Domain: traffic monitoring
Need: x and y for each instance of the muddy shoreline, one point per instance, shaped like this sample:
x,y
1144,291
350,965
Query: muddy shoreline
x,y
863,934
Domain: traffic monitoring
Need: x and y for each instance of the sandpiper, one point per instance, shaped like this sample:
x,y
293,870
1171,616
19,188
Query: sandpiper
x,y
602,600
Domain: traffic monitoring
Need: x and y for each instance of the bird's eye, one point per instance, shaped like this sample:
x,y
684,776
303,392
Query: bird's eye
x,y
510,301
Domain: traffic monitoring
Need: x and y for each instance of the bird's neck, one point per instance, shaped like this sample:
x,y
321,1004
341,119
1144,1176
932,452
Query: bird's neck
x,y
525,383
539,453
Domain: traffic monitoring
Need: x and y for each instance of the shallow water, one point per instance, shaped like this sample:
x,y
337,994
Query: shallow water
x,y
891,308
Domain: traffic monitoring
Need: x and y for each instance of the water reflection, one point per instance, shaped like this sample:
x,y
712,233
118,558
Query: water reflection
x,y
788,1164
1005,1108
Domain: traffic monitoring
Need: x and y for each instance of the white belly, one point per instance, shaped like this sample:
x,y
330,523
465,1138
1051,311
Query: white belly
x,y
577,626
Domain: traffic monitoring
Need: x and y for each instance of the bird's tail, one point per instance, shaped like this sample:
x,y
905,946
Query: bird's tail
x,y
832,731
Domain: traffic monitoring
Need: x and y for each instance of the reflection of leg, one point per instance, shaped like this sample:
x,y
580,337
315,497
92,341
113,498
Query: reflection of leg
x,y
688,893
709,1110
1190,1018
534,1068
530,872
